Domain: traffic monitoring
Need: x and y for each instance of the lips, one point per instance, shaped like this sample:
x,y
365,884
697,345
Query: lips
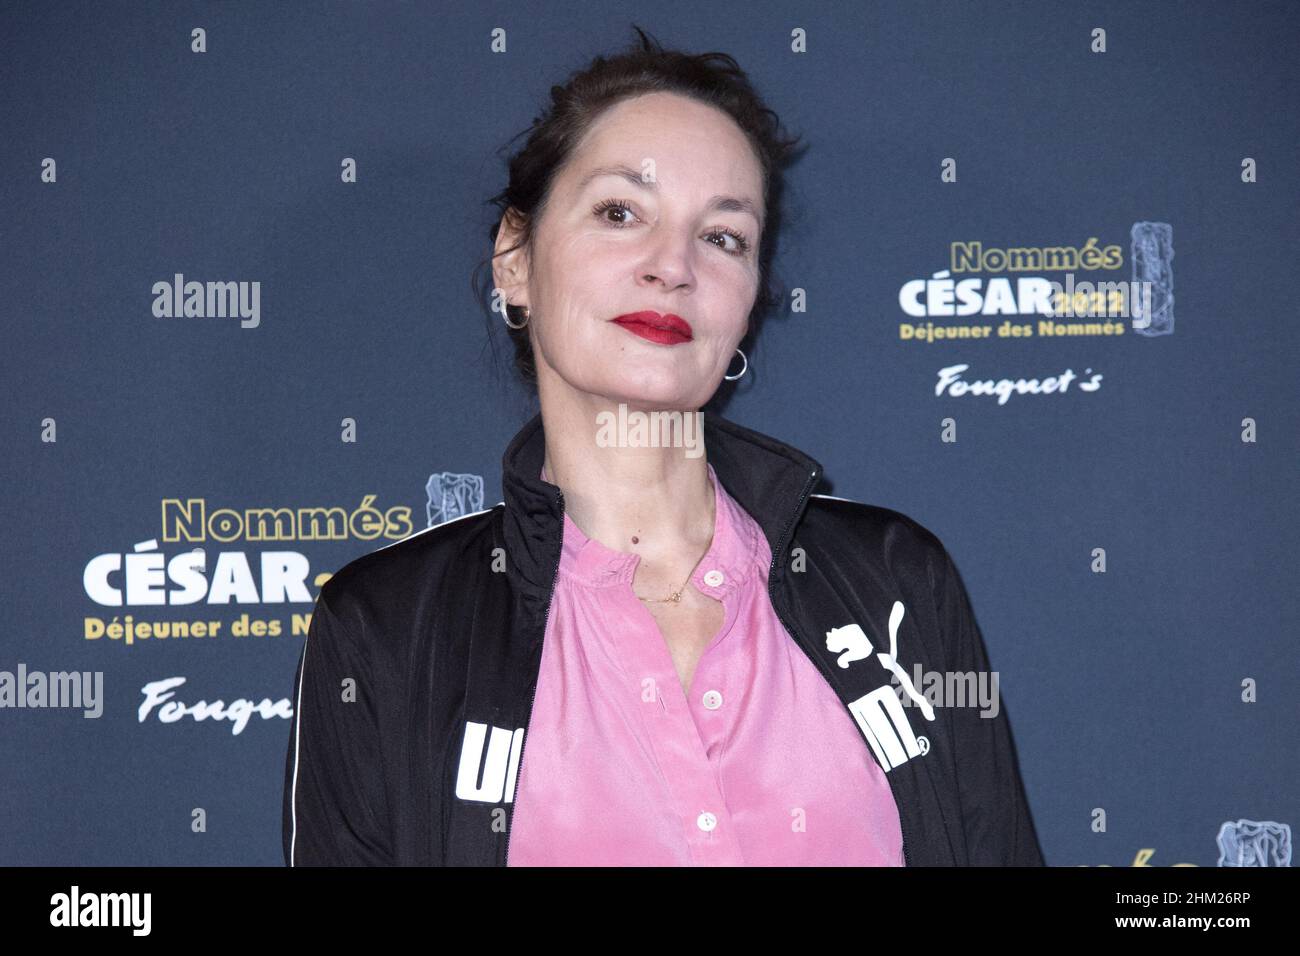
x,y
665,329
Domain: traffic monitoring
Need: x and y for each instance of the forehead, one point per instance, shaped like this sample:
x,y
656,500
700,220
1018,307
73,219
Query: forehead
x,y
692,145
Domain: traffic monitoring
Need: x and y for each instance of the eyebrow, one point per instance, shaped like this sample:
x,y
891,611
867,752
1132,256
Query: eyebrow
x,y
724,203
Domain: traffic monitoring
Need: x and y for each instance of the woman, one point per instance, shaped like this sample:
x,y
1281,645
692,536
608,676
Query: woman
x,y
649,653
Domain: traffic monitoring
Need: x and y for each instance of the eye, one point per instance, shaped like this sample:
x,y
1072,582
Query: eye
x,y
740,249
607,205
742,244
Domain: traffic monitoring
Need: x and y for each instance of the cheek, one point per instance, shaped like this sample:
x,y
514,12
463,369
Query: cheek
x,y
730,294
578,264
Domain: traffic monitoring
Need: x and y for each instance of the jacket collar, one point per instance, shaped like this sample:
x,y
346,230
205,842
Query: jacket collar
x,y
768,478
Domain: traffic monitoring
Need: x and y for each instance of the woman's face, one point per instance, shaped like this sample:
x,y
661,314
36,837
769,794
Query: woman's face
x,y
658,210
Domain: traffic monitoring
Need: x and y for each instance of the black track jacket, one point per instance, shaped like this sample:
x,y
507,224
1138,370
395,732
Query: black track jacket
x,y
423,656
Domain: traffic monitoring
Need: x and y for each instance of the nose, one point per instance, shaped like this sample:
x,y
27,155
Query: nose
x,y
668,261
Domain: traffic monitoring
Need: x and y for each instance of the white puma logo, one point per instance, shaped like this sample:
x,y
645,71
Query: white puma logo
x,y
497,772
879,714
849,642
852,644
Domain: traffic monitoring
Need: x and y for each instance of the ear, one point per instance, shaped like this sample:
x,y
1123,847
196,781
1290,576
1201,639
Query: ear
x,y
510,268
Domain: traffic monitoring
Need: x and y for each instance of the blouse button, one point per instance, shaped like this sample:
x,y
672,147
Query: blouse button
x,y
714,578
706,821
712,699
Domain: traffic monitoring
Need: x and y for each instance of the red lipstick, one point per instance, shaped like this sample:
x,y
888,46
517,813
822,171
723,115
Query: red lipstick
x,y
666,329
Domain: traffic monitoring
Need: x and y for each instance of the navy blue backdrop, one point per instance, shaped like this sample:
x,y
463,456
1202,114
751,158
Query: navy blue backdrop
x,y
962,156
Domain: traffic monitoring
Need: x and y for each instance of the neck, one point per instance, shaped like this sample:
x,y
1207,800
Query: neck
x,y
656,502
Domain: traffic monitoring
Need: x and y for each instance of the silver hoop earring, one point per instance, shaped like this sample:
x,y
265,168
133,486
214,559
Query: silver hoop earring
x,y
732,378
527,315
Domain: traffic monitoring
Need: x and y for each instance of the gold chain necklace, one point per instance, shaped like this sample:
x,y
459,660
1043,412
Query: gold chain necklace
x,y
676,596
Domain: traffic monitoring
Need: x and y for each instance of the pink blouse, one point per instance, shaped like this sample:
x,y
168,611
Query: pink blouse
x,y
759,765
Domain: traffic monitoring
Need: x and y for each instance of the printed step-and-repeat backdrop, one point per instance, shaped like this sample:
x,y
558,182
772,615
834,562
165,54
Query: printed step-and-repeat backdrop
x,y
1036,261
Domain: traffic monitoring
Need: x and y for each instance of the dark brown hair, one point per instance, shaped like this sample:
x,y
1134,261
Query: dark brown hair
x,y
712,78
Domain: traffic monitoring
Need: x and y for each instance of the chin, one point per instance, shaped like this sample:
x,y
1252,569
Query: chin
x,y
647,400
